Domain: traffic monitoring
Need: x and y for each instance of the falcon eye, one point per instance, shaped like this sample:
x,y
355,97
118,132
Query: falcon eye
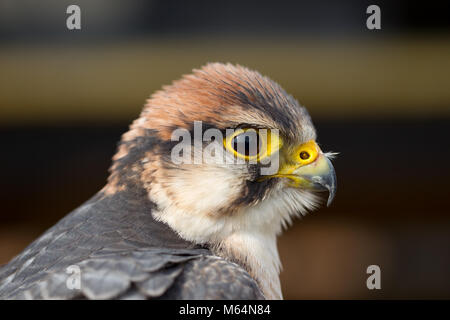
x,y
304,155
247,143
252,144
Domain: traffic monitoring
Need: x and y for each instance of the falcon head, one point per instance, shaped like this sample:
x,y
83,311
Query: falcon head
x,y
228,158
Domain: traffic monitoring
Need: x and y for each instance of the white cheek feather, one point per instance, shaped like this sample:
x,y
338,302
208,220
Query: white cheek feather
x,y
248,235
190,203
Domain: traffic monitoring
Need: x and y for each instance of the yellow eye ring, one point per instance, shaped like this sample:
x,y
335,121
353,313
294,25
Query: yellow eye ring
x,y
268,142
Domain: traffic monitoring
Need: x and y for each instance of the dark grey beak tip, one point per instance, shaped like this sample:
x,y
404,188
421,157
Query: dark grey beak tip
x,y
331,194
331,184
325,181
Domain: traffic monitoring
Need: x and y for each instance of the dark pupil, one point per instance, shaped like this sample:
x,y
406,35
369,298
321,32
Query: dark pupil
x,y
246,143
304,155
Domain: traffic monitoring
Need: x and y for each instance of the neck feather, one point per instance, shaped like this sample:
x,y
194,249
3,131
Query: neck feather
x,y
258,254
247,237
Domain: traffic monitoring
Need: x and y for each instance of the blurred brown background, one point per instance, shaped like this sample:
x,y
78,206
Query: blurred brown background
x,y
380,98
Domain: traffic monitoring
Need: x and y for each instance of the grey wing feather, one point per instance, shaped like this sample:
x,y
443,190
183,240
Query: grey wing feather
x,y
211,277
147,274
122,253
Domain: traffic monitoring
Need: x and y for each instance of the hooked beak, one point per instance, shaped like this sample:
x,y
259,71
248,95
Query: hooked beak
x,y
315,172
319,175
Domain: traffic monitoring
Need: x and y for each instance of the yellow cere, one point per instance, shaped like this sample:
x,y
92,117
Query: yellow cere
x,y
270,143
296,158
306,153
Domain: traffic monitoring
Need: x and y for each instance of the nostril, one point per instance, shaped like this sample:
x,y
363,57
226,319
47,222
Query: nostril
x,y
304,155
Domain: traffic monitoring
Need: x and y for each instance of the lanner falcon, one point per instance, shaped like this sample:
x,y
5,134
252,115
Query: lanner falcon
x,y
192,229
